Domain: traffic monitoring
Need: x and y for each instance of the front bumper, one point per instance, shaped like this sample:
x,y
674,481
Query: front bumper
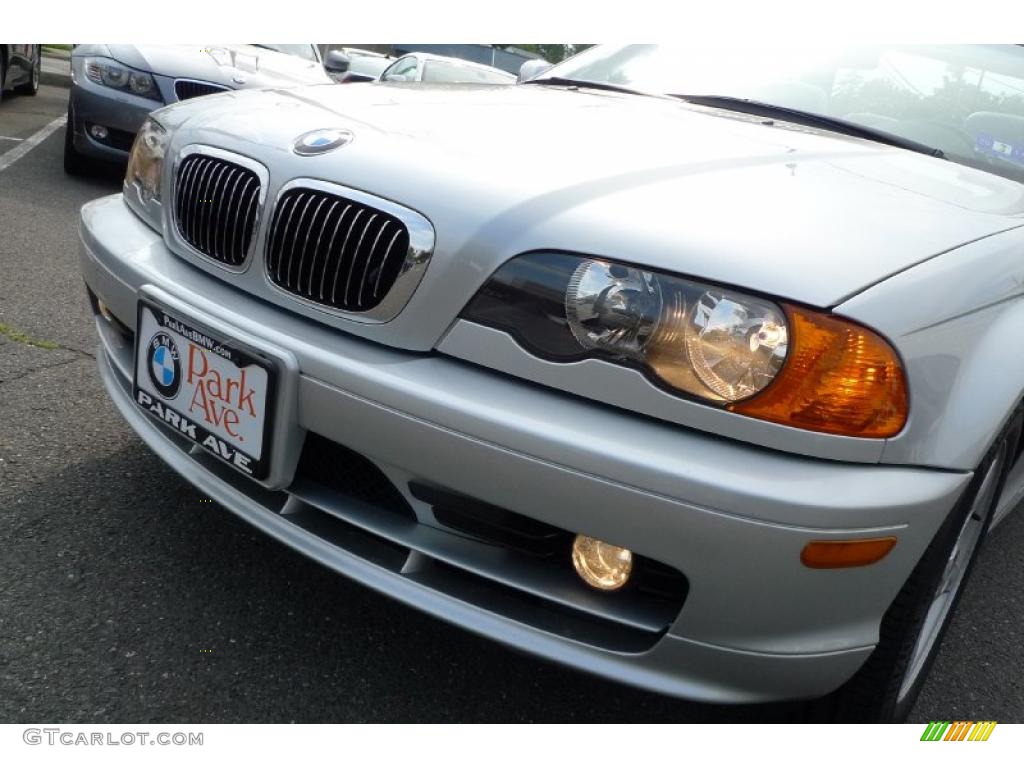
x,y
756,624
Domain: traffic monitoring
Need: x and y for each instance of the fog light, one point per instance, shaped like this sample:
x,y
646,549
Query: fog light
x,y
99,132
603,566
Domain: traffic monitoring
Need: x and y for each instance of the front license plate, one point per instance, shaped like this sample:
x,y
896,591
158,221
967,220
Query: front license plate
x,y
215,392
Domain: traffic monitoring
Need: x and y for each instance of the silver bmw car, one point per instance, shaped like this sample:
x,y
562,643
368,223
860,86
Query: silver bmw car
x,y
709,387
114,87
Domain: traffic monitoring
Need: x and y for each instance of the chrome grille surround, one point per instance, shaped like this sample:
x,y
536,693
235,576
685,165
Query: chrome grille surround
x,y
184,88
199,169
364,226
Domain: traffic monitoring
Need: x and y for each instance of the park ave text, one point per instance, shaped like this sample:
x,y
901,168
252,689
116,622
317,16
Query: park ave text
x,y
217,401
211,387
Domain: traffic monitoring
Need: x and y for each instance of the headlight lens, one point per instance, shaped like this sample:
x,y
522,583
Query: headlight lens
x,y
736,345
114,74
751,355
613,308
141,83
145,167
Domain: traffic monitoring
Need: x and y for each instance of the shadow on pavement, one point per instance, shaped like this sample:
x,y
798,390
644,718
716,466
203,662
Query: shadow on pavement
x,y
164,607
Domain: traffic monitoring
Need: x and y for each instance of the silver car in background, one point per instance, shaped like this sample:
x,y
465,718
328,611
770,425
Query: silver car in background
x,y
711,386
356,65
431,68
115,86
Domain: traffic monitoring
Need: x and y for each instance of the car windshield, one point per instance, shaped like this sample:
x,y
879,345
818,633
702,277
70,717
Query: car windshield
x,y
965,100
302,50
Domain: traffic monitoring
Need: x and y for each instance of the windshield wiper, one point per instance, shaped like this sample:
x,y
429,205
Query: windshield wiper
x,y
763,109
572,82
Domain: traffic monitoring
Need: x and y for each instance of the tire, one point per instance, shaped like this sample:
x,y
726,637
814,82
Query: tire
x,y
886,687
31,88
75,164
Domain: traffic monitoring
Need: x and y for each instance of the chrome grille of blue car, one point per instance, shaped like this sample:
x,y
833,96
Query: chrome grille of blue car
x,y
334,251
215,207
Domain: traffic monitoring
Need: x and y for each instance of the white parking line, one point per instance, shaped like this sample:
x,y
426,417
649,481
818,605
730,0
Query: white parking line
x,y
10,138
13,155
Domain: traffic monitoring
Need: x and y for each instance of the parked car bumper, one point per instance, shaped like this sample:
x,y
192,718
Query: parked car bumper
x,y
755,624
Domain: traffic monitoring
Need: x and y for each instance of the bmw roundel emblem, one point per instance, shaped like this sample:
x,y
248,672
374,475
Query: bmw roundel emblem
x,y
164,364
321,140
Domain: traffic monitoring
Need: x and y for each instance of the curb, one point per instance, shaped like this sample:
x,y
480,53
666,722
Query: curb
x,y
55,71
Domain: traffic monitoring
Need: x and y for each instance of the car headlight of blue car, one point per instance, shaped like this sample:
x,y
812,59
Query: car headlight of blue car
x,y
114,74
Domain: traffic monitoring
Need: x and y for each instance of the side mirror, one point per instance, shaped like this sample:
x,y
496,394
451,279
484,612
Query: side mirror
x,y
532,69
336,62
396,78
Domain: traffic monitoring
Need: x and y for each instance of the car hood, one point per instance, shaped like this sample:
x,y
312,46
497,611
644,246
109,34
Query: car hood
x,y
775,208
231,65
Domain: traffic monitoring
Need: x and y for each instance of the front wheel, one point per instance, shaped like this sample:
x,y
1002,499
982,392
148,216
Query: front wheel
x,y
886,687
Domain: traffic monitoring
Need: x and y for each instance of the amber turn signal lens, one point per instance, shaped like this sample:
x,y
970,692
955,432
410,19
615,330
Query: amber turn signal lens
x,y
846,553
839,377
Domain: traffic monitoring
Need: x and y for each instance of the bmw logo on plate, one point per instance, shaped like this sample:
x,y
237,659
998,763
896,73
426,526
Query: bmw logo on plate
x,y
164,365
322,140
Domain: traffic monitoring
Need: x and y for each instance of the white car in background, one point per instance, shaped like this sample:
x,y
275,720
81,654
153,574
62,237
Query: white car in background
x,y
357,65
430,68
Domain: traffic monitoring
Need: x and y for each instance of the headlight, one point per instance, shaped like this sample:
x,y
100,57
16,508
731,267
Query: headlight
x,y
145,167
734,344
725,347
114,74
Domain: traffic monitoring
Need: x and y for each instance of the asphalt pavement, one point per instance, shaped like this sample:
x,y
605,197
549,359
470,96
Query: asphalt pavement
x,y
124,597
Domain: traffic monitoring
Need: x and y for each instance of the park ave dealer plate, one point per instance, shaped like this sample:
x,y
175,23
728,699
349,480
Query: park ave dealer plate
x,y
215,392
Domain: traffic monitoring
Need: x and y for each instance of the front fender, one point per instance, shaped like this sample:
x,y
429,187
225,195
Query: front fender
x,y
958,322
